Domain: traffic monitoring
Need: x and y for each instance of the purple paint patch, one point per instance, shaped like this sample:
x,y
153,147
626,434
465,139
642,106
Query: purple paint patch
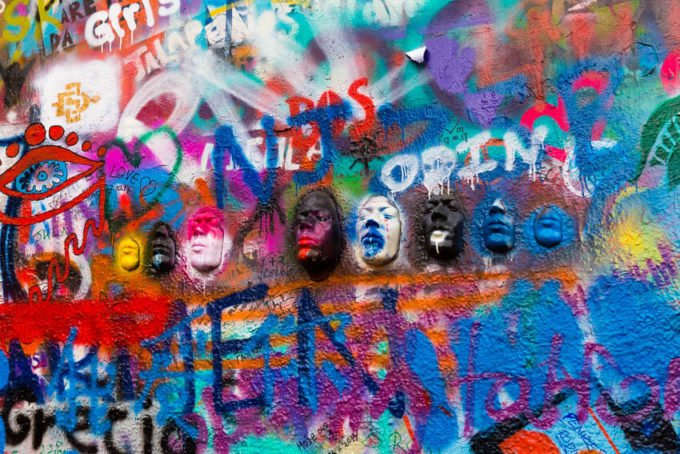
x,y
482,106
460,15
448,64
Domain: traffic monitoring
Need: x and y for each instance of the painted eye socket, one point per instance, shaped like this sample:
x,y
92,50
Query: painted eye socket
x,y
41,177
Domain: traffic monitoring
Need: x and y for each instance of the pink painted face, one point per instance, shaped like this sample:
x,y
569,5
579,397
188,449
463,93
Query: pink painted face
x,y
205,237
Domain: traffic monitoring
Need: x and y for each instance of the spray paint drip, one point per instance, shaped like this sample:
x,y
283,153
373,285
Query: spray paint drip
x,y
437,237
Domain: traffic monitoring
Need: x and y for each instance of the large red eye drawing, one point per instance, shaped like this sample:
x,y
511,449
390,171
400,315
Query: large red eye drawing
x,y
45,171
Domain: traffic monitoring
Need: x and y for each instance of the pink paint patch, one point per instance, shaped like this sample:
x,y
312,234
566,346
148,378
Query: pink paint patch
x,y
598,129
156,112
559,114
557,153
593,79
670,73
193,146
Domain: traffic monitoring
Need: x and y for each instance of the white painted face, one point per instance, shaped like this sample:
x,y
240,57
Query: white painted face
x,y
438,164
379,231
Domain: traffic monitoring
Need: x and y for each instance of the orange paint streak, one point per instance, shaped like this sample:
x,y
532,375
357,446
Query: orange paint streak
x,y
563,274
204,190
446,412
410,431
606,435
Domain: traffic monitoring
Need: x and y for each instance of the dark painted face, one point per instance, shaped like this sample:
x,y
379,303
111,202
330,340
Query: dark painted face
x,y
499,229
548,228
163,249
318,235
442,227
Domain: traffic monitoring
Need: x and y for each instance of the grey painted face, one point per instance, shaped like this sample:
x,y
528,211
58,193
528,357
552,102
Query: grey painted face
x,y
442,224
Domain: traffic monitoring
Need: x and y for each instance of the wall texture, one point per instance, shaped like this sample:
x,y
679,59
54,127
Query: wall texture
x,y
339,226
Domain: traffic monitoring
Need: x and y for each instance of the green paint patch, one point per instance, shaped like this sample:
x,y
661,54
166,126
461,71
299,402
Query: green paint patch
x,y
255,445
661,139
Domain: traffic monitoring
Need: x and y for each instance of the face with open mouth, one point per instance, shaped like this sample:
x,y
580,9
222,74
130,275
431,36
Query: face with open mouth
x,y
379,231
548,228
442,226
162,245
205,236
128,253
318,235
499,229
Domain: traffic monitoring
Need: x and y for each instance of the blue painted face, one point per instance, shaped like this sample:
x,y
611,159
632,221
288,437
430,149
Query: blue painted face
x,y
498,229
548,228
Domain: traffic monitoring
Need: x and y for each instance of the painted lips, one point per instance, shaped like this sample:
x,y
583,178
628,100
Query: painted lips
x,y
198,246
308,241
128,250
499,227
372,238
439,228
549,222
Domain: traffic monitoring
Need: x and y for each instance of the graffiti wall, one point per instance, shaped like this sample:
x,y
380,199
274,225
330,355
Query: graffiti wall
x,y
339,226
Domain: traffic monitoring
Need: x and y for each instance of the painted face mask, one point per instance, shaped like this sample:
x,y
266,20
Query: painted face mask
x,y
499,229
379,231
318,235
162,247
128,254
205,236
548,228
442,226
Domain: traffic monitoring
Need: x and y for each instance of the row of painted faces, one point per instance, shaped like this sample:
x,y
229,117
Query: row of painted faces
x,y
205,245
317,234
380,225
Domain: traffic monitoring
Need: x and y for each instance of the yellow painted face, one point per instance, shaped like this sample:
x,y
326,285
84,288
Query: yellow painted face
x,y
128,254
